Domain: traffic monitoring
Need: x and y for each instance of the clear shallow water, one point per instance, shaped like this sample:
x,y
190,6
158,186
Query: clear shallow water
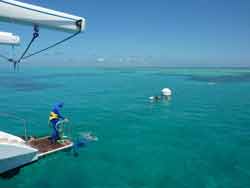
x,y
199,139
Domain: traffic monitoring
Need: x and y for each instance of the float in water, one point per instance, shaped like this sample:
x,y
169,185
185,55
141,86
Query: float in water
x,y
165,93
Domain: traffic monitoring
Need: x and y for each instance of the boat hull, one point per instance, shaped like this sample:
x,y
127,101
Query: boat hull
x,y
14,156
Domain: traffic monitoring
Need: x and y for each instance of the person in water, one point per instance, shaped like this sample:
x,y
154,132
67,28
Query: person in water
x,y
155,98
54,118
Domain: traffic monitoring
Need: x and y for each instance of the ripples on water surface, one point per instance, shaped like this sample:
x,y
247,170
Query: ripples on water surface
x,y
199,139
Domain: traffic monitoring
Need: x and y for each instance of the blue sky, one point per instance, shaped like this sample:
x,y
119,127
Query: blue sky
x,y
148,33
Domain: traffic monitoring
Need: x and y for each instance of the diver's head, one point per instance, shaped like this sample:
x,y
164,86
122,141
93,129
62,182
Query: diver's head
x,y
60,104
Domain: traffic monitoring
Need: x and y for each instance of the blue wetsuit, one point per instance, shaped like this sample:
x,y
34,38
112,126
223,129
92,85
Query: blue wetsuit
x,y
54,118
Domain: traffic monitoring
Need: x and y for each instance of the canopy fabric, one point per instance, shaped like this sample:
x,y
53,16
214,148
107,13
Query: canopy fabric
x,y
9,38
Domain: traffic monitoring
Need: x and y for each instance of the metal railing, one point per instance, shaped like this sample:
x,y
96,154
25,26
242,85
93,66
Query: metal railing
x,y
22,120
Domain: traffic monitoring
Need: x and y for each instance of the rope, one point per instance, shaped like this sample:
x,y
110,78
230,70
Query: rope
x,y
15,62
51,46
35,35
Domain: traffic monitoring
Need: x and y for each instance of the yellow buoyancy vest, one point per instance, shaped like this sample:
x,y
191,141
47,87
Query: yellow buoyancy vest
x,y
53,115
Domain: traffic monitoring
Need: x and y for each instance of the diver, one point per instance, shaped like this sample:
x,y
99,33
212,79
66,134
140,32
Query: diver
x,y
155,98
55,118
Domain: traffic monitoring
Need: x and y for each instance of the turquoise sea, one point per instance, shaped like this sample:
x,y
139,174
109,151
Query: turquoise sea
x,y
198,139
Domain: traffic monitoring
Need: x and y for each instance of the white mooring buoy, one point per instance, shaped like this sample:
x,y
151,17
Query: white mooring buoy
x,y
166,92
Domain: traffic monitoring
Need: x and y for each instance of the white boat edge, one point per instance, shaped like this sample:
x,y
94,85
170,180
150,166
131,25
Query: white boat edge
x,y
14,152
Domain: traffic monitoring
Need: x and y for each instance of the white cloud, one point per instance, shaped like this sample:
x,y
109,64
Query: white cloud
x,y
100,59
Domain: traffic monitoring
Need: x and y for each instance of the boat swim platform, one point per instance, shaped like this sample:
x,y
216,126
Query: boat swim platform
x,y
45,147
